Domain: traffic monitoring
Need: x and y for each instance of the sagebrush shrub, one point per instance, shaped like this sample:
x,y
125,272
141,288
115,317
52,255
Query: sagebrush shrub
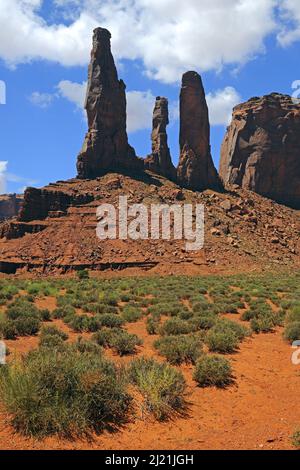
x,y
222,341
179,349
162,386
212,371
292,331
175,326
63,392
296,440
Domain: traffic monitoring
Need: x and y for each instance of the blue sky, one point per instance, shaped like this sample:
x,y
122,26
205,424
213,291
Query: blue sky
x,y
242,48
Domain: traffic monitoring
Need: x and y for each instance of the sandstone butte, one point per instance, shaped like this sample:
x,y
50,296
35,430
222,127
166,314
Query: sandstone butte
x,y
261,149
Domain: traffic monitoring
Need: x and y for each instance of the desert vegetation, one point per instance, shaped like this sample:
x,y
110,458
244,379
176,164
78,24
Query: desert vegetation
x,y
87,370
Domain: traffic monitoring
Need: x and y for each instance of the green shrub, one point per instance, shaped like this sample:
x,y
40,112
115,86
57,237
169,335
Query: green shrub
x,y
79,323
83,274
131,314
264,324
292,332
86,346
162,386
8,329
179,349
27,326
294,315
296,440
63,312
224,342
175,326
152,326
111,320
204,322
22,309
53,331
117,339
212,371
63,392
51,341
125,343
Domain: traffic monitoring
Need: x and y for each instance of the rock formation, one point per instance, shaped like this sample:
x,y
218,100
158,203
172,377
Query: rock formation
x,y
261,150
9,205
195,170
106,143
160,159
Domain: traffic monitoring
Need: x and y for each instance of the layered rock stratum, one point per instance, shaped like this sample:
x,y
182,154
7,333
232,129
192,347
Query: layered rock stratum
x,y
10,205
195,170
261,150
106,144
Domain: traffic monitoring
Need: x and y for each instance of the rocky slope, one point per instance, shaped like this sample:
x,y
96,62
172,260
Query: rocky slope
x,y
243,231
261,150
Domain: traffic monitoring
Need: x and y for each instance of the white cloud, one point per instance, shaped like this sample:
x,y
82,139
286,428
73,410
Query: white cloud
x,y
3,167
6,177
168,36
140,104
42,100
290,24
220,105
74,92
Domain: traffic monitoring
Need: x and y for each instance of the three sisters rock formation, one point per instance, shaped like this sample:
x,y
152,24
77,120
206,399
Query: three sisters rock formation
x,y
260,152
106,143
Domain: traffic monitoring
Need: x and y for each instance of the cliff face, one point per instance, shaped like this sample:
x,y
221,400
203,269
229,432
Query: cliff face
x,y
160,159
261,150
9,206
106,143
195,170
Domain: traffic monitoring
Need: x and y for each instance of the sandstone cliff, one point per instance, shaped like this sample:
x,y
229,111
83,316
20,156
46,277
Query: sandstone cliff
x,y
261,150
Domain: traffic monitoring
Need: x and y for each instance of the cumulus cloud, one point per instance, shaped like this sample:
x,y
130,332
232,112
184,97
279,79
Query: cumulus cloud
x,y
220,105
290,22
139,103
72,91
41,100
140,106
168,36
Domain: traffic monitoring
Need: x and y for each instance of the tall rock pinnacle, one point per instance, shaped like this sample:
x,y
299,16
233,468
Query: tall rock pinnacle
x,y
106,144
160,160
261,150
195,170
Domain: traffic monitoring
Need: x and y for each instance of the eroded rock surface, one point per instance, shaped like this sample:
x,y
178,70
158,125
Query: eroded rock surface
x,y
195,170
261,150
160,159
106,144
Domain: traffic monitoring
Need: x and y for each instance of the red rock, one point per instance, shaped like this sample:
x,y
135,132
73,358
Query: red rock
x,y
160,159
195,170
9,205
106,144
261,149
